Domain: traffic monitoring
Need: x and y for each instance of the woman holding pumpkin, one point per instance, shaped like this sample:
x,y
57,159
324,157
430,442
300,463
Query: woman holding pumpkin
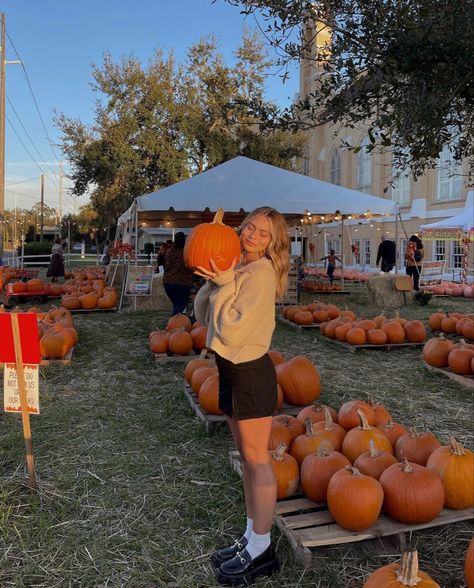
x,y
238,304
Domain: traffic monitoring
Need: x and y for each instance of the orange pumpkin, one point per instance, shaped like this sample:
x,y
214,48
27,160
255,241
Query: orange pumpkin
x,y
286,471
18,287
192,365
299,380
412,493
276,356
434,322
180,343
455,466
415,331
376,337
348,417
329,430
179,321
406,573
34,285
373,462
209,395
394,331
291,423
199,336
393,431
71,302
279,434
306,443
357,441
201,374
53,345
317,469
416,447
459,358
159,343
88,301
436,351
354,500
215,241
316,413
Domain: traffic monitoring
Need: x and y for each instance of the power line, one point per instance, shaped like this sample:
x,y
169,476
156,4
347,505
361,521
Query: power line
x,y
33,96
25,147
22,181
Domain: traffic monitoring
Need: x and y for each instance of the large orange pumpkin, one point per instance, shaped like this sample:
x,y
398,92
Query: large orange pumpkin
x,y
299,380
416,447
400,575
354,500
306,443
180,343
412,493
209,395
436,351
215,241
34,285
357,440
415,331
53,345
455,466
317,469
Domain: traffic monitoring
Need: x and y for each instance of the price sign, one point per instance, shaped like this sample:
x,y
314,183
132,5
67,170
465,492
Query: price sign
x,y
11,391
139,280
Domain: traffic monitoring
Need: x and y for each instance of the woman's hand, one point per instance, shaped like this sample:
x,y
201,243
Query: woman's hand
x,y
211,275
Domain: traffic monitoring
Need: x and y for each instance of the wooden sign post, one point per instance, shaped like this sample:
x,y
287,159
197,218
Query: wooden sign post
x,y
19,342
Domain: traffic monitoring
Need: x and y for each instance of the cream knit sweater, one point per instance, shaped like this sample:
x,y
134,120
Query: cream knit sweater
x,y
239,309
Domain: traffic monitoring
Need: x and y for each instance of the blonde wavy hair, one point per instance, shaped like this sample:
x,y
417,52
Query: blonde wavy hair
x,y
278,250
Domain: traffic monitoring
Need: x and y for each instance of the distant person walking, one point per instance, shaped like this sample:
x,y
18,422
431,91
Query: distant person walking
x,y
414,257
387,253
331,259
106,253
56,265
177,279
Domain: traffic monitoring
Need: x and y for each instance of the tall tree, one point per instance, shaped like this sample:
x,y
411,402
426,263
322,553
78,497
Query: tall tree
x,y
157,125
403,69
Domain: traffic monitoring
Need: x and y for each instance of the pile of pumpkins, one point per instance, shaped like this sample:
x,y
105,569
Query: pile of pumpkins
x,y
349,274
180,337
86,289
56,332
453,323
314,313
298,381
442,353
450,289
7,274
377,331
358,461
317,286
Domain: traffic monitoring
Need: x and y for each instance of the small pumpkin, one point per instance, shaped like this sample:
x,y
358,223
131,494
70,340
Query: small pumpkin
x,y
279,434
209,395
180,343
276,356
416,447
357,440
292,423
437,350
317,469
315,412
393,431
201,374
286,471
192,365
348,417
179,321
415,331
373,462
330,431
306,443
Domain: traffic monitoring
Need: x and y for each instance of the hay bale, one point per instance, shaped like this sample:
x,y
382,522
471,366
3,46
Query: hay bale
x,y
381,291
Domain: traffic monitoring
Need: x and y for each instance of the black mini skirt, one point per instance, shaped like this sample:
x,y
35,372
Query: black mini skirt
x,y
247,390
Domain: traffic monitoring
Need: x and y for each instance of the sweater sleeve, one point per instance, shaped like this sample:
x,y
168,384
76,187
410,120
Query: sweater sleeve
x,y
201,302
237,311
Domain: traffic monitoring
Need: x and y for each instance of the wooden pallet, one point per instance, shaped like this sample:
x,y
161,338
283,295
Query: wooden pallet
x,y
307,524
385,347
210,420
300,327
66,360
90,310
467,381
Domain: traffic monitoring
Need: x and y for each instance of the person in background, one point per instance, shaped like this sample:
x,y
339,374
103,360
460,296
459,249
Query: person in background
x,y
414,256
387,253
177,278
161,255
238,305
56,265
106,253
331,259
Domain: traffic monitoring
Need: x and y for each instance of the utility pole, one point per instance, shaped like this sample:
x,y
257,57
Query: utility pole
x,y
3,63
42,208
60,196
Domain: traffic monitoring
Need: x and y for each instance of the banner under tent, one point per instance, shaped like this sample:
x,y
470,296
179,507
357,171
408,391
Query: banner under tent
x,y
459,227
239,186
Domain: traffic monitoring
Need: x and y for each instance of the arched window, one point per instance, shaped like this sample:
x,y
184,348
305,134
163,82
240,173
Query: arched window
x,y
335,167
449,176
401,187
364,168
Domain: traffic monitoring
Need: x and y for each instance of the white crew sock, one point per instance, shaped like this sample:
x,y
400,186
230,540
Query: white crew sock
x,y
258,544
248,530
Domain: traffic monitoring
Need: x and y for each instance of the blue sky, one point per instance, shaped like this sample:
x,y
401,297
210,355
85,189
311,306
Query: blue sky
x,y
58,40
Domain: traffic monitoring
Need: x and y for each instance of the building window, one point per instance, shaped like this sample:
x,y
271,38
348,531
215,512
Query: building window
x,y
366,251
403,250
449,176
457,255
439,253
356,246
334,244
401,188
335,167
364,169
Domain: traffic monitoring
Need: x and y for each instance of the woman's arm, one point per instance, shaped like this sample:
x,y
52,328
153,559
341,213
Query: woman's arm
x,y
201,302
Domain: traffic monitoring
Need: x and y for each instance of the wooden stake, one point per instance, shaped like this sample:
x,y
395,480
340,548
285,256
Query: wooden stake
x,y
23,403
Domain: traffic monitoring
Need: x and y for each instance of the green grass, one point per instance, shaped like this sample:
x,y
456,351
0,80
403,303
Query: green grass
x,y
134,493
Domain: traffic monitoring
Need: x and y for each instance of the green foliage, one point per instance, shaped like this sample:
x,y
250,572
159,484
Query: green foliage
x,y
160,124
37,248
403,70
423,297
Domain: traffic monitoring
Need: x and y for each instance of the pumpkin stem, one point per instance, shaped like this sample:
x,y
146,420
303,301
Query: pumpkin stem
x,y
456,447
413,432
324,449
364,425
354,471
278,453
308,423
407,574
219,216
406,467
374,452
328,422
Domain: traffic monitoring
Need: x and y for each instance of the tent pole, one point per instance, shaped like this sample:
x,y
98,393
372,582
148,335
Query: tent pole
x,y
397,253
342,251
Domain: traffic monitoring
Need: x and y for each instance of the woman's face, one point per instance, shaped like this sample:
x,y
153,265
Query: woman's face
x,y
256,236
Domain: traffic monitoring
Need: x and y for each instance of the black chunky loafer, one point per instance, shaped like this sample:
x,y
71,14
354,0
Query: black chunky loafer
x,y
222,555
242,570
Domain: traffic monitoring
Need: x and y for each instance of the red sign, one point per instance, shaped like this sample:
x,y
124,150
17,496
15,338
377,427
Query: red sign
x,y
28,335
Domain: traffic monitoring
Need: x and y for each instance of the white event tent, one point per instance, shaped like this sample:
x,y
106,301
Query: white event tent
x,y
242,184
